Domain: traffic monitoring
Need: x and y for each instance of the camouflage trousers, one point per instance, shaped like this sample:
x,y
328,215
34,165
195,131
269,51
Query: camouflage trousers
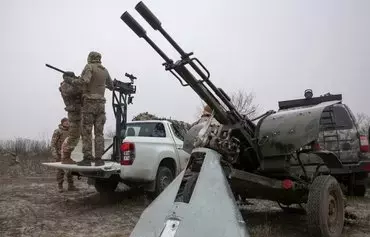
x,y
61,173
74,131
93,115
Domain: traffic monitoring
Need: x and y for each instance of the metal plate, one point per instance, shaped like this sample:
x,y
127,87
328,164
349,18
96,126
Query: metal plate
x,y
288,130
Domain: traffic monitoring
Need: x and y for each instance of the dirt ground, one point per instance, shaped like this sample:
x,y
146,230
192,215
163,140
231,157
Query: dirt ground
x,y
33,207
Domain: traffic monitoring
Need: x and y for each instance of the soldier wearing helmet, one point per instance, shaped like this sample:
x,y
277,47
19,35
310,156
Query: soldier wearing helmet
x,y
195,128
207,111
94,79
72,99
59,135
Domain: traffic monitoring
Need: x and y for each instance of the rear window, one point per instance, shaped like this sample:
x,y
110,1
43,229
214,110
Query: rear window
x,y
145,130
335,117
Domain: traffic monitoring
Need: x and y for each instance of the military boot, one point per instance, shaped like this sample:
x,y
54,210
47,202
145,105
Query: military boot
x,y
99,162
66,158
86,161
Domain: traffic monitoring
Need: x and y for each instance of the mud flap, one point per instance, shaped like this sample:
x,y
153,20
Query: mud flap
x,y
211,210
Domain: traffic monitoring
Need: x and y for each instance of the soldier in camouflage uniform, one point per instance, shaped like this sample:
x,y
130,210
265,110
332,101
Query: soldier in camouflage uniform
x,y
94,79
59,136
72,99
207,112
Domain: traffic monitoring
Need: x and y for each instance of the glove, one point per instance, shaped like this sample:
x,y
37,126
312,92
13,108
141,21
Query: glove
x,y
69,74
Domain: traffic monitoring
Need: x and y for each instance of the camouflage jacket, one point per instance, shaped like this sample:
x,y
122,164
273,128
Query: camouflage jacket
x,y
59,135
94,79
203,118
72,96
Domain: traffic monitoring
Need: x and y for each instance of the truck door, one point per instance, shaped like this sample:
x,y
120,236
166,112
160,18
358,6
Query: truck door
x,y
179,141
339,133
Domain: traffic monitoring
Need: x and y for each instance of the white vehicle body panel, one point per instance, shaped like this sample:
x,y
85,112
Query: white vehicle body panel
x,y
149,152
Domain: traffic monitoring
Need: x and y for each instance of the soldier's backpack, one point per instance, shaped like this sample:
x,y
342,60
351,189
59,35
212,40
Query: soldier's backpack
x,y
71,96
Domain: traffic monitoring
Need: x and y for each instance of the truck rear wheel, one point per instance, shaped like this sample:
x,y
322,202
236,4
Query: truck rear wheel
x,y
325,207
105,185
164,177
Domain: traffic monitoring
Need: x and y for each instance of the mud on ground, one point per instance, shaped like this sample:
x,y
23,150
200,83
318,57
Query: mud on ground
x,y
33,207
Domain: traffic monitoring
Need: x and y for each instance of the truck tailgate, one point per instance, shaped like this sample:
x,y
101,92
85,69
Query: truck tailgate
x,y
108,166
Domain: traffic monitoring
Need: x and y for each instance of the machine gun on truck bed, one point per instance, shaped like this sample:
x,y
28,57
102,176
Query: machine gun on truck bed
x,y
121,97
240,158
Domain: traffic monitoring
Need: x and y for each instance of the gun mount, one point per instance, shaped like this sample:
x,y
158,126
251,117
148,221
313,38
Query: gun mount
x,y
236,132
277,159
121,97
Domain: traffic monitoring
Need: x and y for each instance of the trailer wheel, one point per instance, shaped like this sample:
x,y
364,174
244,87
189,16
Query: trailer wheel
x,y
325,207
105,185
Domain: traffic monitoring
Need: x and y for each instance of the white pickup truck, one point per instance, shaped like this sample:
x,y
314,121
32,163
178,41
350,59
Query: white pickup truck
x,y
152,156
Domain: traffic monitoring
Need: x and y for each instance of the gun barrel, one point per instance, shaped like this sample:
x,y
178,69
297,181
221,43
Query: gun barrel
x,y
207,95
139,30
148,15
156,24
56,69
133,24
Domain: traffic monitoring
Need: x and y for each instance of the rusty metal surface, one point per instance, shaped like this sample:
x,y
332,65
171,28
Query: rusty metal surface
x,y
288,130
203,215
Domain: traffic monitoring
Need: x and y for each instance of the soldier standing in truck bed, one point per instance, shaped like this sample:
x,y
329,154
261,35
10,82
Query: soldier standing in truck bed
x,y
72,96
94,79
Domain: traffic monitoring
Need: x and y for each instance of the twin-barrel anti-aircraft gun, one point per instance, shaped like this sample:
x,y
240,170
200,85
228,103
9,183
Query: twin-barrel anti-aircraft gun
x,y
238,158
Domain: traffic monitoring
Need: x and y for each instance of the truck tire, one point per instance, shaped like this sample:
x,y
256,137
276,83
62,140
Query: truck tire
x,y
164,177
105,185
325,207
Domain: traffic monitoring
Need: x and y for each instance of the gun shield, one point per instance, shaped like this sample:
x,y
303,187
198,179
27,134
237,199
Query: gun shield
x,y
148,15
133,24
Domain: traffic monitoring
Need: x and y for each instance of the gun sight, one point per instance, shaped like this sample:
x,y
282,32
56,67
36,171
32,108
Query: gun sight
x,y
132,77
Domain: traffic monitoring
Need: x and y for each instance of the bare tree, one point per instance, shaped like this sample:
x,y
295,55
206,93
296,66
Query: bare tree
x,y
243,102
363,121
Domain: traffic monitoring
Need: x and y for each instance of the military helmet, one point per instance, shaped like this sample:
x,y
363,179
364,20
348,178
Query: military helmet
x,y
94,57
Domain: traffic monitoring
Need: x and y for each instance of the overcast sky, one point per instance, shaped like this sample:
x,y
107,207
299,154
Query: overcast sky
x,y
275,49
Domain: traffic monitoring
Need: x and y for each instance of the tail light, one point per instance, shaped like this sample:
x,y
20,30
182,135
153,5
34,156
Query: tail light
x,y
364,144
287,184
127,153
